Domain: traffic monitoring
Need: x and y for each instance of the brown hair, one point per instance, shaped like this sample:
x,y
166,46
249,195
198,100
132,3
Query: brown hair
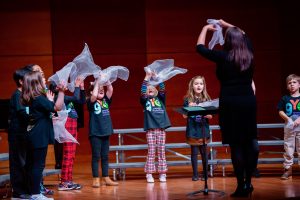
x,y
292,76
32,87
238,48
91,88
190,96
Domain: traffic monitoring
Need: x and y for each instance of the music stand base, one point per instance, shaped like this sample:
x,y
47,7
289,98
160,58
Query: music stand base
x,y
206,192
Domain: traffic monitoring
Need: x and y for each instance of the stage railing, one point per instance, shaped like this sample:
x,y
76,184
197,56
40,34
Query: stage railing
x,y
122,163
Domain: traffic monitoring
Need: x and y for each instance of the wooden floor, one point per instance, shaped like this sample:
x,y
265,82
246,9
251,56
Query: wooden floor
x,y
178,185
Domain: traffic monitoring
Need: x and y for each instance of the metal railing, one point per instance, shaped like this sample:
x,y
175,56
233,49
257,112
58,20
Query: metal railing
x,y
120,165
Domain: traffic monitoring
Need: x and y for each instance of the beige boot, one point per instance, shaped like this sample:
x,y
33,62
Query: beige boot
x,y
96,182
107,181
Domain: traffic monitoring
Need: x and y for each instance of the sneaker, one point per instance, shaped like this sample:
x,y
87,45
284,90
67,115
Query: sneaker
x,y
45,191
195,178
162,177
150,178
40,197
76,186
64,186
286,174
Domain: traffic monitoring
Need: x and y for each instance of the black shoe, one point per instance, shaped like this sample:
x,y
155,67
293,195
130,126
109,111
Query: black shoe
x,y
195,178
249,188
256,173
240,192
57,166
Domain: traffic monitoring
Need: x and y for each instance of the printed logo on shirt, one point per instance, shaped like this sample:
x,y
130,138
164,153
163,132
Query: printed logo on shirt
x,y
97,108
292,107
197,118
27,110
101,106
154,105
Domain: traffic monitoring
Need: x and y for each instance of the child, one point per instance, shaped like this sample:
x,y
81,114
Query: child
x,y
40,127
17,141
100,130
289,110
197,128
37,68
156,121
69,148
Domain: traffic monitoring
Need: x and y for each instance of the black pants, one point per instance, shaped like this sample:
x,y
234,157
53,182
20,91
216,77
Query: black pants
x,y
58,152
100,150
36,159
18,174
194,158
244,158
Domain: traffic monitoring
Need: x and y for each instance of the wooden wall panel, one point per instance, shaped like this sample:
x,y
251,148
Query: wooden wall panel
x,y
109,26
8,64
134,34
25,38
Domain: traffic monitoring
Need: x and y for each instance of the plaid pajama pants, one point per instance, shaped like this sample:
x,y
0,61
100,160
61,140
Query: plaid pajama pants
x,y
156,138
69,150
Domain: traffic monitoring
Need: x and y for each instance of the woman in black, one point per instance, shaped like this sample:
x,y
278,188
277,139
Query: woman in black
x,y
237,115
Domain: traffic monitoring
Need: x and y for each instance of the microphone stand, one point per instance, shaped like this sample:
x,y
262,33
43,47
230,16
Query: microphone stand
x,y
205,191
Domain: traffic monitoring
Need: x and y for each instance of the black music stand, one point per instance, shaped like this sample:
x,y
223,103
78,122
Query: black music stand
x,y
197,110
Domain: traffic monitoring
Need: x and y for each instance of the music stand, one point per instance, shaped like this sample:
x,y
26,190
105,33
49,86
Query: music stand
x,y
197,110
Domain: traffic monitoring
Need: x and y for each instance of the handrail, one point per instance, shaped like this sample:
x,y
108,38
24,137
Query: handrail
x,y
120,148
183,128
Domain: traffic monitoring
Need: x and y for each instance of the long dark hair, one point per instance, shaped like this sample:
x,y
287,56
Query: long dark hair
x,y
33,86
238,48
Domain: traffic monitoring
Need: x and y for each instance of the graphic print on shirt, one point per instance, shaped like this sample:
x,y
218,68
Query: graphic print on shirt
x,y
154,105
292,107
101,106
197,118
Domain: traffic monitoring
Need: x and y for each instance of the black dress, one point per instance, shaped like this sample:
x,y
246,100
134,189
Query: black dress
x,y
237,115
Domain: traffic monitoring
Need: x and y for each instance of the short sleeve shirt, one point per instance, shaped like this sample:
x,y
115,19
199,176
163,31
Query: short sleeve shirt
x,y
100,121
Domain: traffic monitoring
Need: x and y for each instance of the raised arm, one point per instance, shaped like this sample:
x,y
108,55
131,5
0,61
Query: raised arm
x,y
253,87
202,36
60,97
145,84
95,91
82,93
162,88
109,90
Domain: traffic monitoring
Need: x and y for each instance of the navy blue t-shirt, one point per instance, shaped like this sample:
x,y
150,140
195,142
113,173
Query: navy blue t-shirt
x,y
289,105
18,118
40,126
155,114
100,120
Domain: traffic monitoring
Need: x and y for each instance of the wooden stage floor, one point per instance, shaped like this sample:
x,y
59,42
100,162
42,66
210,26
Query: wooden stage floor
x,y
178,185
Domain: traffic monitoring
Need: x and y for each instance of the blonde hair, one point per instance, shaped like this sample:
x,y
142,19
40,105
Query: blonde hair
x,y
154,88
190,94
292,76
